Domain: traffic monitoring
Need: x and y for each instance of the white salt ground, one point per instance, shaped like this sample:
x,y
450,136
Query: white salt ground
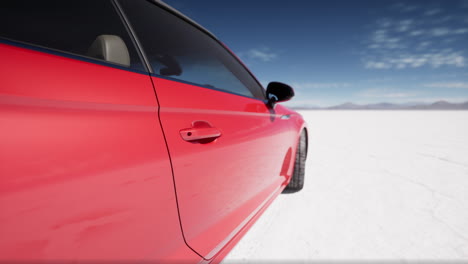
x,y
380,185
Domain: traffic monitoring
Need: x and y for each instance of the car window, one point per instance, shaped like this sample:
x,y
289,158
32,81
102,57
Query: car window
x,y
177,49
70,26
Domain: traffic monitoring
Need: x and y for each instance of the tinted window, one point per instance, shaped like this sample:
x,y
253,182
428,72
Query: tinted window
x,y
179,50
70,26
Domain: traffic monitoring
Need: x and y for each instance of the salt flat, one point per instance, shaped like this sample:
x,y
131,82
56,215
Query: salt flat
x,y
380,185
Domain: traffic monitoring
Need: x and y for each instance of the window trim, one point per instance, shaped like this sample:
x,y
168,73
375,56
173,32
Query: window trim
x,y
133,36
206,87
65,54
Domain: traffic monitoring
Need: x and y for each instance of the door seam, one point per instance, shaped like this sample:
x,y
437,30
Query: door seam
x,y
172,169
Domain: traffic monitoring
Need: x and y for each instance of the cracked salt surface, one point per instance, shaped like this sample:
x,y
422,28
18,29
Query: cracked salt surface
x,y
380,185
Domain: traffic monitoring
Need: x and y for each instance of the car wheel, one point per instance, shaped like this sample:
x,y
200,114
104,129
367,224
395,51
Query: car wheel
x,y
297,181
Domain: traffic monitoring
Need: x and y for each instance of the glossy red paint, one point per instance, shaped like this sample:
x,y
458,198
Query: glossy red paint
x,y
225,251
222,184
84,169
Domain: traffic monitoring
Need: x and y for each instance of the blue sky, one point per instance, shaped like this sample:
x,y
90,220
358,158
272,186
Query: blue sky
x,y
333,52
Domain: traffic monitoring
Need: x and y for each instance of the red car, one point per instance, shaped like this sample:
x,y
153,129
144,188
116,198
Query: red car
x,y
130,133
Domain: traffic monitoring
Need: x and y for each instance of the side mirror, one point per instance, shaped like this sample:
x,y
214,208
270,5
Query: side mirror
x,y
278,92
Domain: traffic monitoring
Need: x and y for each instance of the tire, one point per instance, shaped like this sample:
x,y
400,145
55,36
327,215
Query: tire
x,y
297,181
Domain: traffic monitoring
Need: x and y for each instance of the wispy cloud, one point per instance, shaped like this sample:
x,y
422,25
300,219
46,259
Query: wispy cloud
x,y
416,41
261,54
417,32
378,65
405,8
312,85
432,12
381,39
385,93
462,85
405,25
442,19
439,32
406,60
460,31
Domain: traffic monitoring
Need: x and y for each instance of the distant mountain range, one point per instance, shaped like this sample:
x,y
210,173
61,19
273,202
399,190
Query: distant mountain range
x,y
439,105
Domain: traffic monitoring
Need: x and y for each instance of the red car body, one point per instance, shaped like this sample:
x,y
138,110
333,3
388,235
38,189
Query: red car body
x,y
94,165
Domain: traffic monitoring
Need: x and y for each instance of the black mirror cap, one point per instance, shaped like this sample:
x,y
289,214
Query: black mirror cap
x,y
278,92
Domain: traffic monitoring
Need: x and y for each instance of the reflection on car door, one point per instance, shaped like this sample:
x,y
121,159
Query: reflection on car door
x,y
221,184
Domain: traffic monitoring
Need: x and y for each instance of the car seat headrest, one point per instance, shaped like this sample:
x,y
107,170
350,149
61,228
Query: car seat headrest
x,y
110,48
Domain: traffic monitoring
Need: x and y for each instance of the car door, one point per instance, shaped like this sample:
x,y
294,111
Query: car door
x,y
85,174
230,152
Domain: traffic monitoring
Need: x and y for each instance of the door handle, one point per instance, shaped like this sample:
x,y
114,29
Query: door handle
x,y
201,131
